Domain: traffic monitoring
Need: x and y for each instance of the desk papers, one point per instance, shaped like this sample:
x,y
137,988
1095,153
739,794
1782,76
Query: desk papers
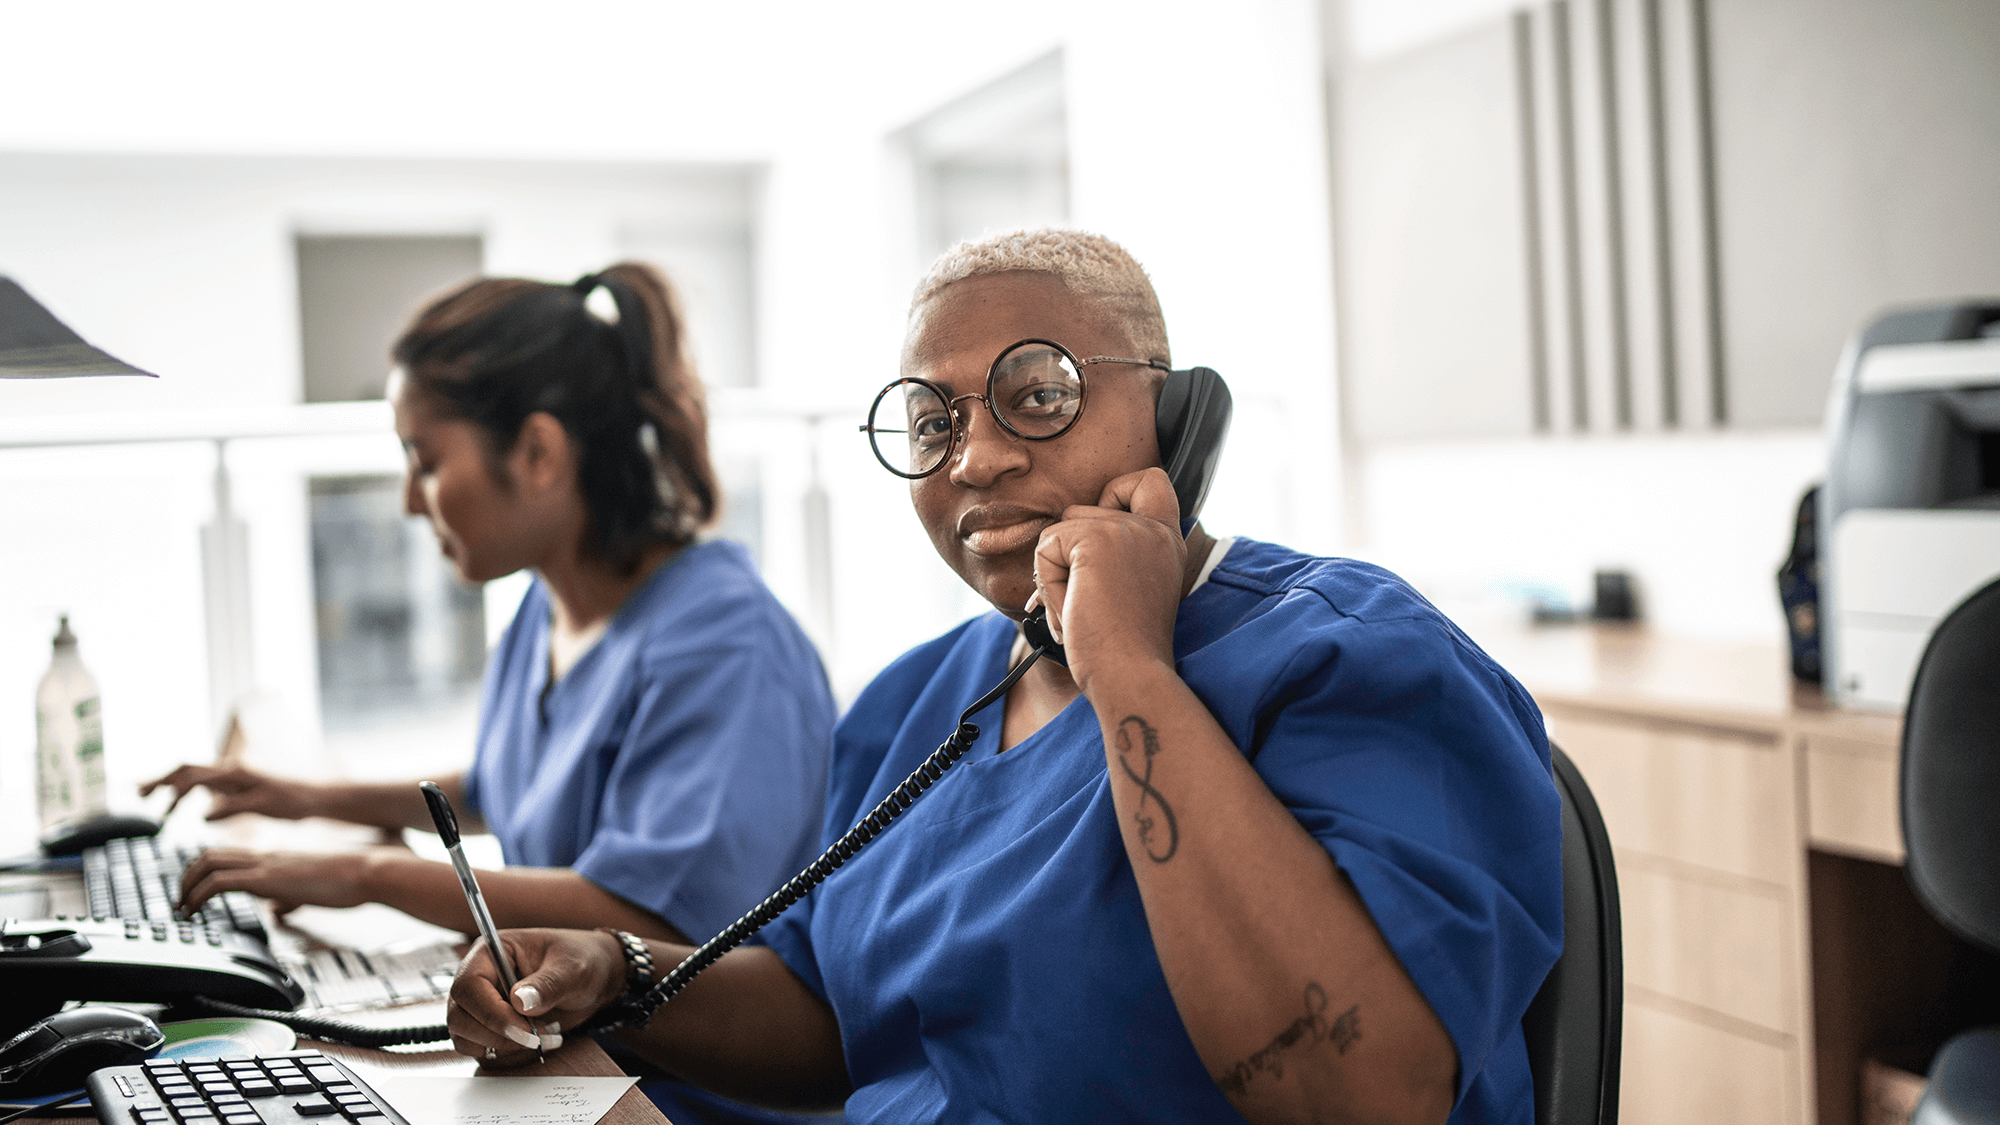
x,y
480,1100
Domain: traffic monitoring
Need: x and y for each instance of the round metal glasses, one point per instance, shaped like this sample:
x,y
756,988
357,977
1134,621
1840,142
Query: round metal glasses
x,y
1034,390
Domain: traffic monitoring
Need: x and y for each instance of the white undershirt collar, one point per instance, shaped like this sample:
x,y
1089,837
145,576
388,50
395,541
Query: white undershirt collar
x,y
1215,554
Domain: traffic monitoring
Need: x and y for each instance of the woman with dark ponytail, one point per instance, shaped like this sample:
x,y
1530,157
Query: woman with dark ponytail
x,y
655,728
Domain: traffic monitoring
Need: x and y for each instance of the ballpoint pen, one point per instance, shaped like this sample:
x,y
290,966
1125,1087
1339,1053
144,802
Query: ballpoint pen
x,y
447,826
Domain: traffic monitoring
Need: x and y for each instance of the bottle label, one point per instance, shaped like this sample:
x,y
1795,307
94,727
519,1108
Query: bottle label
x,y
51,771
90,755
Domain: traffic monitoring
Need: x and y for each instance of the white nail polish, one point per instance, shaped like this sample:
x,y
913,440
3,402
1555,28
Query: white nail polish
x,y
524,1037
551,1042
529,996
552,1027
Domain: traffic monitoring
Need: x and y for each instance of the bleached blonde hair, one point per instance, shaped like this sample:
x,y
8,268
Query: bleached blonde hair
x,y
1087,264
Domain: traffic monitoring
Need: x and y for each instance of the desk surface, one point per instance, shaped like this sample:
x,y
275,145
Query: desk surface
x,y
1635,670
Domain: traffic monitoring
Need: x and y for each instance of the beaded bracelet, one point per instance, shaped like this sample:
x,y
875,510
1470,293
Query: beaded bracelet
x,y
626,1011
638,959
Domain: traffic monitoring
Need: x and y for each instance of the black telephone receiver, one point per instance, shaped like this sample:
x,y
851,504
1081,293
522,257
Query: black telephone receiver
x,y
1192,421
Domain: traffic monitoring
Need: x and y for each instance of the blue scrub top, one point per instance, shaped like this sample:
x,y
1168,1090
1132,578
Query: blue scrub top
x,y
988,956
681,763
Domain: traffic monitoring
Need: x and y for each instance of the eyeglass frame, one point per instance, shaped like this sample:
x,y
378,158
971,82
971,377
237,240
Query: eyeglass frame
x,y
992,372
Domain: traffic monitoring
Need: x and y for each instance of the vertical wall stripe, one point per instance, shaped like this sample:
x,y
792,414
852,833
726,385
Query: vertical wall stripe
x,y
1614,216
1565,77
1711,237
1531,227
1663,258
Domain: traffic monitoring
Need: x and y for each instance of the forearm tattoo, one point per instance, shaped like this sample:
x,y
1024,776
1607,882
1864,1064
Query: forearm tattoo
x,y
1149,742
1309,1030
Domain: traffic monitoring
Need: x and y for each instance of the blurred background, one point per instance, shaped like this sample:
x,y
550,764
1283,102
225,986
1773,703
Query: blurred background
x,y
1507,293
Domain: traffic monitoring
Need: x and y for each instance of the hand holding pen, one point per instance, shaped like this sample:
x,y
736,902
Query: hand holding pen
x,y
447,826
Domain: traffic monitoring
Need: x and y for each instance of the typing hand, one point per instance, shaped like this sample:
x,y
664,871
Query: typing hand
x,y
288,879
564,977
1111,575
237,789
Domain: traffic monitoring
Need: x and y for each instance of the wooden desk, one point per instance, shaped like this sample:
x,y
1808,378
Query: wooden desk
x,y
1720,781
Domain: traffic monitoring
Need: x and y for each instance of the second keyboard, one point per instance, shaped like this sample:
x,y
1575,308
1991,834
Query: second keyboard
x,y
140,878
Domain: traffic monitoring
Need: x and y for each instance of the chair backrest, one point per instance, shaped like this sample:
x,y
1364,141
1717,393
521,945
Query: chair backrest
x,y
1573,1026
1951,772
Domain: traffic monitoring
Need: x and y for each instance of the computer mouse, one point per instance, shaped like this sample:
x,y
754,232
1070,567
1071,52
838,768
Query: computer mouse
x,y
72,836
61,1051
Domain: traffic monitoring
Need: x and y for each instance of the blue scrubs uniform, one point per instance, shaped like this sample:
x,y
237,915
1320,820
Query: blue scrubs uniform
x,y
988,956
681,763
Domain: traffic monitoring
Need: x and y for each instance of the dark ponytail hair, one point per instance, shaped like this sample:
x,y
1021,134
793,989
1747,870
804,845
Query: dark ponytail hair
x,y
499,349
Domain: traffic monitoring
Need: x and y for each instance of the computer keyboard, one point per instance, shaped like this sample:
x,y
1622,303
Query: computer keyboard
x,y
140,878
294,1087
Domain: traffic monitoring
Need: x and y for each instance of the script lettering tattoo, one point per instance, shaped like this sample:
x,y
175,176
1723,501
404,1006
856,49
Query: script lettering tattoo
x,y
1149,741
1309,1030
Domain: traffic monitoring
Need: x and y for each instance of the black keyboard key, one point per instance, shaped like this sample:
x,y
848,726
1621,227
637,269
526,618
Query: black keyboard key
x,y
313,1105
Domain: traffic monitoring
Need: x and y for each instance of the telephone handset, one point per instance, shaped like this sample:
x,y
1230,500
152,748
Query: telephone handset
x,y
1192,420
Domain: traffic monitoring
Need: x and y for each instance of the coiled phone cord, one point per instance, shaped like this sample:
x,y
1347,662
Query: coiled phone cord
x,y
330,1031
635,1011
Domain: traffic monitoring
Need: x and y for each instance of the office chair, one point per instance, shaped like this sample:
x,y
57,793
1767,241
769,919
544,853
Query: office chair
x,y
1951,830
1573,1025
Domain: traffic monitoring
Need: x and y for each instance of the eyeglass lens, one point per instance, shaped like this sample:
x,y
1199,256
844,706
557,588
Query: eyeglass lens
x,y
1035,390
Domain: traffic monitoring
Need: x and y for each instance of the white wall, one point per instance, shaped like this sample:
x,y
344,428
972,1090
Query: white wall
x,y
1702,521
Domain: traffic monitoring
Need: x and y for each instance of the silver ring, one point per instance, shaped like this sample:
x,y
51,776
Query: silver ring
x,y
491,1054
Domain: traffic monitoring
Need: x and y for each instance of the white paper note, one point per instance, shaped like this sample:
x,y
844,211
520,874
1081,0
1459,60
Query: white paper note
x,y
534,1100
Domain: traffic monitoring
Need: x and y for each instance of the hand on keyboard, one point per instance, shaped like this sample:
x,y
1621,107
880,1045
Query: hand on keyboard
x,y
287,879
139,881
140,878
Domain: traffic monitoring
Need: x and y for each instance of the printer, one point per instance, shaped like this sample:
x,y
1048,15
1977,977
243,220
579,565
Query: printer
x,y
1909,516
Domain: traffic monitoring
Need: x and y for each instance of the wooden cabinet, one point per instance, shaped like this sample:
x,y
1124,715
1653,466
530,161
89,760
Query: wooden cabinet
x,y
1851,797
1715,777
1680,1070
1705,828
